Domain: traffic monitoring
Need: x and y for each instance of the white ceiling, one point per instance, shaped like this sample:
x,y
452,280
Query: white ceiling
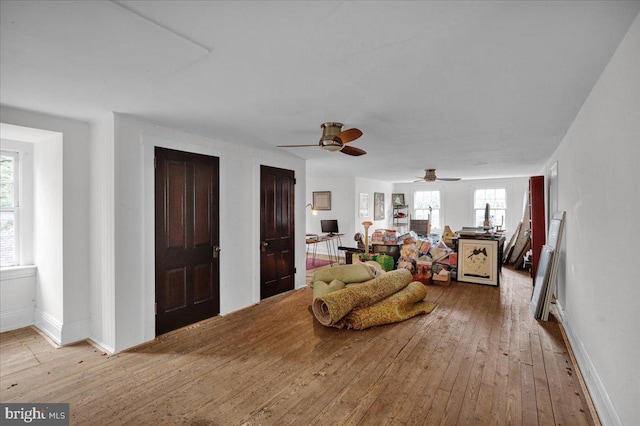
x,y
475,89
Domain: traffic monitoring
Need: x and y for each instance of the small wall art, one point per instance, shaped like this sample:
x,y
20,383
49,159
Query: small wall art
x,y
363,205
378,206
398,199
322,200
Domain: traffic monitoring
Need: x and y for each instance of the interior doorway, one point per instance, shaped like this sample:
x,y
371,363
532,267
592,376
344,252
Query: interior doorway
x,y
277,231
187,271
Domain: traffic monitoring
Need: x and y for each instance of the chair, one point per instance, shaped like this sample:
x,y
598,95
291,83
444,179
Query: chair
x,y
349,251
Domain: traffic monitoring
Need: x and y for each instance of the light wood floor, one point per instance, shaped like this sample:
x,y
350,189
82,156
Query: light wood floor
x,y
478,358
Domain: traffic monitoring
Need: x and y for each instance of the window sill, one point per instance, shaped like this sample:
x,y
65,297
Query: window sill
x,y
13,272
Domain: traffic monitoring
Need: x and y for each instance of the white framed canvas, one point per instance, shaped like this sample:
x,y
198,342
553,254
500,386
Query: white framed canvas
x,y
477,261
363,205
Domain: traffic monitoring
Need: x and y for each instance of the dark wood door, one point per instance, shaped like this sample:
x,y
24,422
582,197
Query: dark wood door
x,y
277,231
187,238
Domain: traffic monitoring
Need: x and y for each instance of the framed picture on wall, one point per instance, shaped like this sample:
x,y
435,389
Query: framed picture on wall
x,y
363,205
378,206
397,199
322,200
477,261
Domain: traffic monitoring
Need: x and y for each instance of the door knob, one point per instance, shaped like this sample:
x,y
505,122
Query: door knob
x,y
264,246
216,252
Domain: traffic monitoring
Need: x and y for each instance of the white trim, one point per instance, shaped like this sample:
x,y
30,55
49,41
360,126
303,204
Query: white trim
x,y
16,318
102,347
489,185
14,272
412,206
49,325
75,331
606,411
17,203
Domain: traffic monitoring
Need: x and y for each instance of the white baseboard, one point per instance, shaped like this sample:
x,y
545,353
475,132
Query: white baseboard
x,y
101,346
76,331
62,334
606,411
16,318
49,325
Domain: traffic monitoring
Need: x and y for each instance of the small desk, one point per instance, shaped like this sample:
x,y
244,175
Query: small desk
x,y
331,240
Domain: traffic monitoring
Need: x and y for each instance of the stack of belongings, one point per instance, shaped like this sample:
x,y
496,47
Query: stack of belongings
x,y
361,295
426,261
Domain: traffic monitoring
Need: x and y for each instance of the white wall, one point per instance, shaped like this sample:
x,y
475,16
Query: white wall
x,y
370,186
48,234
599,188
17,298
102,229
134,275
61,223
345,192
341,189
97,247
457,199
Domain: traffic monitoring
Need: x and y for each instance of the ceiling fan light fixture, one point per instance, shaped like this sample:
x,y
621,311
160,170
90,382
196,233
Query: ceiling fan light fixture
x,y
331,128
334,139
330,143
430,175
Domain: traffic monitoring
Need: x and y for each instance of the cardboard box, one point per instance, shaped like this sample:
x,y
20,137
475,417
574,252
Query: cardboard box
x,y
443,278
423,276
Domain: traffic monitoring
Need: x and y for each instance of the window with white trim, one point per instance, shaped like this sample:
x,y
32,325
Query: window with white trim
x,y
425,200
9,208
497,199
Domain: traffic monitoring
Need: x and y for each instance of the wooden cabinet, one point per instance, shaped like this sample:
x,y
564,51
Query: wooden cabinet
x,y
536,219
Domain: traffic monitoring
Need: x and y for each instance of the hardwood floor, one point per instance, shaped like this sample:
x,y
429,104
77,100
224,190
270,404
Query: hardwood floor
x,y
478,358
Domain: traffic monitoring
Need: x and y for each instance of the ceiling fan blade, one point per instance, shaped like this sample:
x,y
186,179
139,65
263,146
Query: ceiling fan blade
x,y
350,135
351,150
295,146
449,179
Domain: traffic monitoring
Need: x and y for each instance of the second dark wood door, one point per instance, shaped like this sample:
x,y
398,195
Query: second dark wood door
x,y
187,260
277,231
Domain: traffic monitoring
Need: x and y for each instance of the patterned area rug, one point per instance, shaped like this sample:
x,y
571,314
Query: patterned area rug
x,y
318,263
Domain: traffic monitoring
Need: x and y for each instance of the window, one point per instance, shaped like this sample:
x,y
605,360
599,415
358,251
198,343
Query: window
x,y
497,199
422,201
9,196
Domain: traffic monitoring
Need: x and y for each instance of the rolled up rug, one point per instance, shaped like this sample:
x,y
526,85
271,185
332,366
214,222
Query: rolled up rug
x,y
320,288
354,273
400,306
331,308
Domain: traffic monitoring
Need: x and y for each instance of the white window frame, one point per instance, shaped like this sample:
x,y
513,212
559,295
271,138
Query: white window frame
x,y
497,213
16,205
440,210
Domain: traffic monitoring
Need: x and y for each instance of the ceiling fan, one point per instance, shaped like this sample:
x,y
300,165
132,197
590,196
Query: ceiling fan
x,y
334,139
430,176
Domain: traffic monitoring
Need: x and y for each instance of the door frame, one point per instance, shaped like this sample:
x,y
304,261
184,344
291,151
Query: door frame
x,y
299,222
189,255
291,174
148,292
